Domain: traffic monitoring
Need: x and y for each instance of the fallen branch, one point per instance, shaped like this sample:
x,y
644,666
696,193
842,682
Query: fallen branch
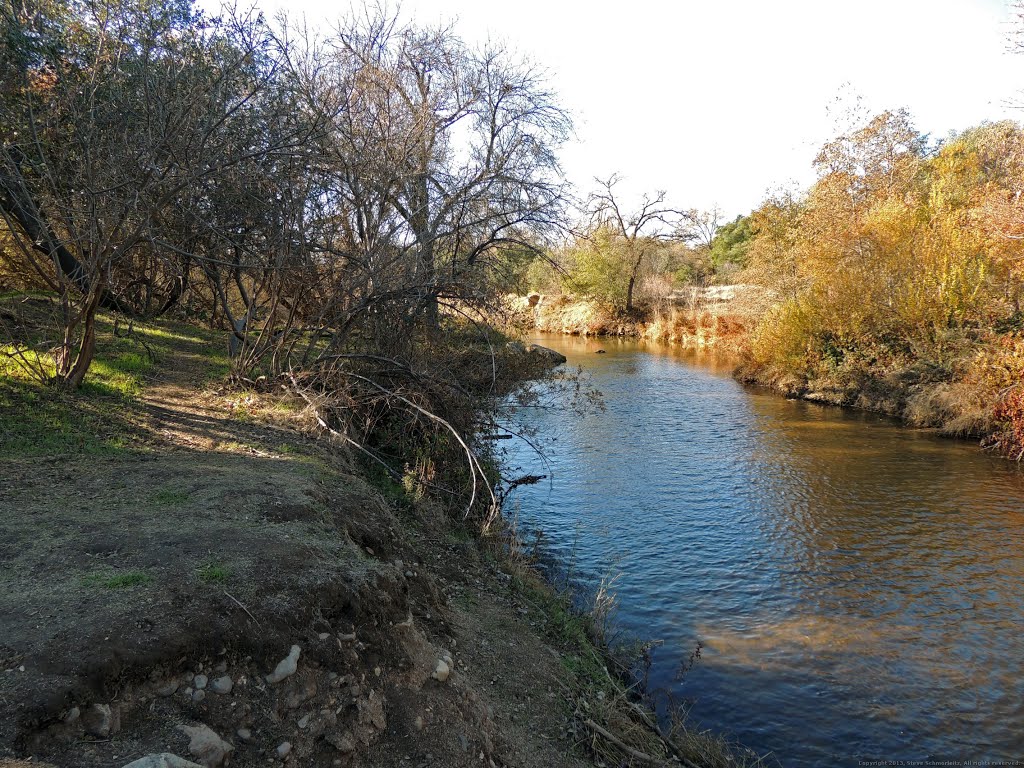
x,y
474,464
242,607
634,753
338,435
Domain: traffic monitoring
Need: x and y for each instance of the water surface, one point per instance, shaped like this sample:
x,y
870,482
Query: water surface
x,y
856,584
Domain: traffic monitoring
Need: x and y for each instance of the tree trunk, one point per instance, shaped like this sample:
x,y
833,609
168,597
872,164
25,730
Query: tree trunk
x,y
16,201
85,354
426,267
632,281
71,376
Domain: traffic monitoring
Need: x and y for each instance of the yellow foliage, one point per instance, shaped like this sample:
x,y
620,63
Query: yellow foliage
x,y
895,255
784,337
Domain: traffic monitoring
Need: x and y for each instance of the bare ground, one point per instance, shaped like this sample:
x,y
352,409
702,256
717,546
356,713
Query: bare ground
x,y
208,546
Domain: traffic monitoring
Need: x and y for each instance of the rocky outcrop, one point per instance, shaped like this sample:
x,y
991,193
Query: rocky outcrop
x,y
535,354
545,354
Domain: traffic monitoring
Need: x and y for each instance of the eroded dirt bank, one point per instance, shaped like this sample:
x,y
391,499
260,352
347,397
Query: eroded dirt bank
x,y
149,590
192,576
722,327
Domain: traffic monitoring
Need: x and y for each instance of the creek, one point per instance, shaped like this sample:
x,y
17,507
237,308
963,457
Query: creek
x,y
856,584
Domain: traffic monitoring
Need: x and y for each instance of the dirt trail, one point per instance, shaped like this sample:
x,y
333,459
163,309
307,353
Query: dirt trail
x,y
151,589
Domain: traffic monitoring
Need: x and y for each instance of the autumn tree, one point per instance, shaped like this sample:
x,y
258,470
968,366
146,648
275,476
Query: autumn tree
x,y
898,253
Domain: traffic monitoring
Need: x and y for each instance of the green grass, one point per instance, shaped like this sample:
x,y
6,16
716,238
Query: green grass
x,y
396,493
122,580
38,420
217,370
119,374
213,574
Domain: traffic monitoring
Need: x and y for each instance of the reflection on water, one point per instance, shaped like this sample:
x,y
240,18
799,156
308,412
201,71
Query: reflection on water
x,y
857,584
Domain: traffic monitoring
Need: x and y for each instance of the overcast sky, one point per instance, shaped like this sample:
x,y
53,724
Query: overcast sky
x,y
719,101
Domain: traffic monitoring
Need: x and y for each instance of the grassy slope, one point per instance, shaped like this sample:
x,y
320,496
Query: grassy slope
x,y
102,417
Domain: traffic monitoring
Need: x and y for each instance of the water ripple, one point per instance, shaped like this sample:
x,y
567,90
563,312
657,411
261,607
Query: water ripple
x,y
856,583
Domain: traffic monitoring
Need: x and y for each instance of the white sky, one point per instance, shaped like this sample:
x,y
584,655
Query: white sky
x,y
719,101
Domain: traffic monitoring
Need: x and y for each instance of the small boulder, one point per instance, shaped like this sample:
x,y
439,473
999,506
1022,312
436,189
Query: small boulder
x,y
199,682
222,685
244,734
99,720
206,745
441,671
545,354
286,667
284,749
168,688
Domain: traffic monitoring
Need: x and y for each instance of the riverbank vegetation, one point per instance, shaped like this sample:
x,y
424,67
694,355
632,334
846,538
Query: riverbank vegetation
x,y
894,283
898,278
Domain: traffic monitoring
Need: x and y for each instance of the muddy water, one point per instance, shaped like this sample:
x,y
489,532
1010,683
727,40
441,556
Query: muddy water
x,y
858,586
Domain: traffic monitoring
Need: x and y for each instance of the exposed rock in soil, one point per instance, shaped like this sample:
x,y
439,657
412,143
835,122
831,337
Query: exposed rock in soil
x,y
222,685
286,667
99,720
441,671
205,745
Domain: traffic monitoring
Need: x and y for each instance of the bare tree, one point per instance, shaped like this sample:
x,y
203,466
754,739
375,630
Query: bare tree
x,y
702,226
464,145
641,229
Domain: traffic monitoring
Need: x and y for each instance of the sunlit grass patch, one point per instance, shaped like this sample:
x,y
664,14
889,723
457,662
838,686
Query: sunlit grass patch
x,y
23,363
121,375
171,333
36,420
